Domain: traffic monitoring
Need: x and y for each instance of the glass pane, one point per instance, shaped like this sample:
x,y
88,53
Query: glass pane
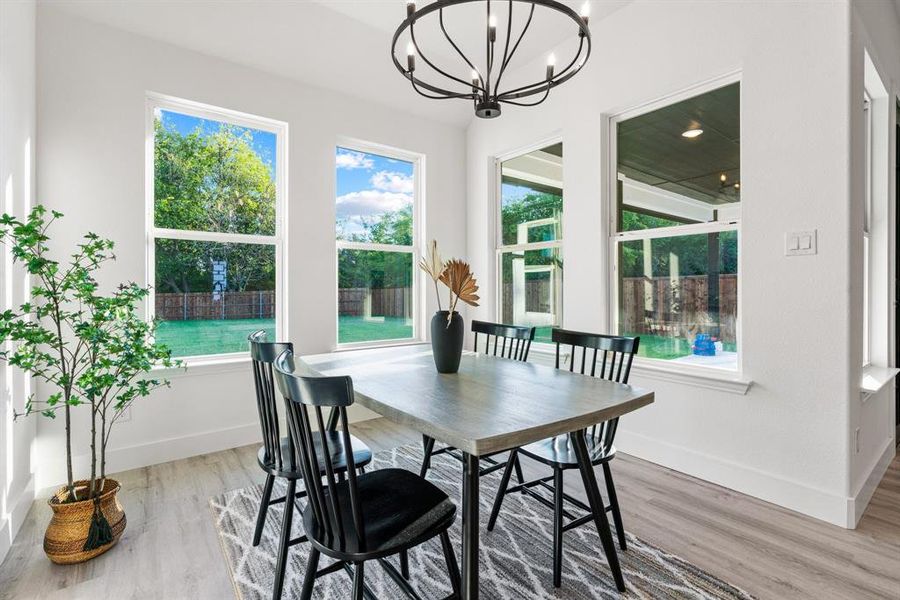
x,y
213,176
375,300
681,163
531,201
679,294
210,296
374,198
531,290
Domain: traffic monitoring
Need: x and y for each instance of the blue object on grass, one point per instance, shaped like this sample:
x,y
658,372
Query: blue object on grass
x,y
704,345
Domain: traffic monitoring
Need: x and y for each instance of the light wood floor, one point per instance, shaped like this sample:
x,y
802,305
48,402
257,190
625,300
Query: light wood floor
x,y
170,549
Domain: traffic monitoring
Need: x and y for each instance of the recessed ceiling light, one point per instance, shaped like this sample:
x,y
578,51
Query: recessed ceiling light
x,y
692,133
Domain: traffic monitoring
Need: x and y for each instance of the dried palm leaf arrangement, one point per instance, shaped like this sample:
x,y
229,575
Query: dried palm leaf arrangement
x,y
456,274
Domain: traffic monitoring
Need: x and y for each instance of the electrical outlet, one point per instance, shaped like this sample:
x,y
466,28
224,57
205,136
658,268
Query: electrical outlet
x,y
857,440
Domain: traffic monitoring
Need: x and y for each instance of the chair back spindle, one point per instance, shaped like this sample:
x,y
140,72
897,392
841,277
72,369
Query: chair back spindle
x,y
263,355
615,355
305,396
516,339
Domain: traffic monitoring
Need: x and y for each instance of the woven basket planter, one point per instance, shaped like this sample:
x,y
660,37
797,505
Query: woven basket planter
x,y
68,529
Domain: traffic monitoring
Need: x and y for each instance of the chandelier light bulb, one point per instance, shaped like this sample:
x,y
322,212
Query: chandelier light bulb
x,y
475,78
551,65
492,28
585,11
410,57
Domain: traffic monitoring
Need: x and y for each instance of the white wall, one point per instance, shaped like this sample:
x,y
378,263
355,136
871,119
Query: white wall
x,y
17,129
875,28
92,82
786,441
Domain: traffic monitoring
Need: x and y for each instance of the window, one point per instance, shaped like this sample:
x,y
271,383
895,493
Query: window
x,y
529,240
376,222
214,226
676,229
867,235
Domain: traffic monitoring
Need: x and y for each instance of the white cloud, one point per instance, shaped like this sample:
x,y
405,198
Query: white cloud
x,y
368,203
353,160
391,181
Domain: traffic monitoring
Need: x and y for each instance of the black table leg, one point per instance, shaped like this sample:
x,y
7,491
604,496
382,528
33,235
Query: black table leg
x,y
470,527
597,506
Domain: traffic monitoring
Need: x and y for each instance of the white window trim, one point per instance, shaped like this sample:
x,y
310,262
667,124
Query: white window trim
x,y
500,248
867,234
698,375
418,287
155,102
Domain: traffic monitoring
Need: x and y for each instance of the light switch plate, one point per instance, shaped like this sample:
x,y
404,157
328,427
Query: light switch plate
x,y
798,243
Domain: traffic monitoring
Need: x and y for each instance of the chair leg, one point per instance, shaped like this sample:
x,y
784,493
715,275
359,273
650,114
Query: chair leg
x,y
427,446
309,578
452,565
404,564
557,526
361,471
518,465
359,577
263,509
283,545
614,503
501,491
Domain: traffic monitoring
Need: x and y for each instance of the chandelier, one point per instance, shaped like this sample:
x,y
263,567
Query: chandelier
x,y
483,86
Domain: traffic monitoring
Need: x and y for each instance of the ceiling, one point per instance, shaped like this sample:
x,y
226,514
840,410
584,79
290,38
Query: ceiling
x,y
652,150
341,45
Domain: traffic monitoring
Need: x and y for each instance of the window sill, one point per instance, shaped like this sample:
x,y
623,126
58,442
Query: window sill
x,y
371,345
709,378
705,377
874,379
205,365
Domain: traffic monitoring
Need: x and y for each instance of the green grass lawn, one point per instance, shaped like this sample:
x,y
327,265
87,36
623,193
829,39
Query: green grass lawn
x,y
360,329
196,338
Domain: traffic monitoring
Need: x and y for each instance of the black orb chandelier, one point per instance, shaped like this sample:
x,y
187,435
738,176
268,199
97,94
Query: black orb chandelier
x,y
483,86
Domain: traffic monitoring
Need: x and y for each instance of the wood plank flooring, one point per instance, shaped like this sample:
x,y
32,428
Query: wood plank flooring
x,y
170,549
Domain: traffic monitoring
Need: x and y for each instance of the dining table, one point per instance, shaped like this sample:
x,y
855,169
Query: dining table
x,y
490,405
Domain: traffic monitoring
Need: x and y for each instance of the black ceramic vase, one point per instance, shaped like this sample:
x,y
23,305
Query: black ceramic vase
x,y
447,342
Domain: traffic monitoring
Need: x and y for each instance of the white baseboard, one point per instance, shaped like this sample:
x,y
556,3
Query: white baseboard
x,y
164,450
817,503
856,504
10,525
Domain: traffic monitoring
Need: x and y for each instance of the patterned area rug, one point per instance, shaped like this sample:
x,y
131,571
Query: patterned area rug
x,y
515,558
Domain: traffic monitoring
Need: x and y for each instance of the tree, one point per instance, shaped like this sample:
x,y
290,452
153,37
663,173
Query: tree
x,y
214,183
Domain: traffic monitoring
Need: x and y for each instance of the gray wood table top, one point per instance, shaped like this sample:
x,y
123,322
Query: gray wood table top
x,y
490,405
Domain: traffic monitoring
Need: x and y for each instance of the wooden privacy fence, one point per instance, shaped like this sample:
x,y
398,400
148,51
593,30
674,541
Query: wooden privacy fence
x,y
659,316
204,306
383,302
648,305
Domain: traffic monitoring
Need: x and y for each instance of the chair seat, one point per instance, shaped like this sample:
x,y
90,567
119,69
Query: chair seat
x,y
362,455
560,452
399,510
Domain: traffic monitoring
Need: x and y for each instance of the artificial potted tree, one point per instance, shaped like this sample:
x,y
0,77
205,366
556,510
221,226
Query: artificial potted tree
x,y
94,352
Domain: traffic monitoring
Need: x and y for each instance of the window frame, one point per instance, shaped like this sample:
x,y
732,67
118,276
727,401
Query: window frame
x,y
616,237
418,220
497,225
191,108
867,232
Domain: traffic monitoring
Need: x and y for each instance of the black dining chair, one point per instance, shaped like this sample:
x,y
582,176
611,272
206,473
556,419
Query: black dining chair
x,y
363,517
615,355
515,345
277,456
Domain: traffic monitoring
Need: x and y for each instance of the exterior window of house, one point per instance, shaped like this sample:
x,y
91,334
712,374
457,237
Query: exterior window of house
x,y
377,244
529,240
676,228
215,188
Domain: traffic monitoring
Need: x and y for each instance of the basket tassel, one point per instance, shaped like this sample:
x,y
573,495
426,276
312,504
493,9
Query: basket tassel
x,y
100,532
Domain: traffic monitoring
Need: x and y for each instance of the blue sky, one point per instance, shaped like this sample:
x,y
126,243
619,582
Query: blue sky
x,y
263,142
368,186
